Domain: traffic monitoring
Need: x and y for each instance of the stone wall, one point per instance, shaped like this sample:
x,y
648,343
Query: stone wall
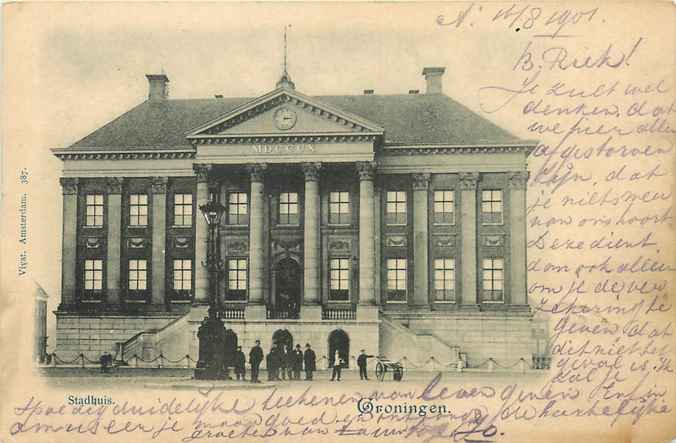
x,y
95,334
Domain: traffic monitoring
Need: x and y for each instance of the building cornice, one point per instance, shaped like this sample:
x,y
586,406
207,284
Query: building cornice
x,y
123,154
441,149
271,139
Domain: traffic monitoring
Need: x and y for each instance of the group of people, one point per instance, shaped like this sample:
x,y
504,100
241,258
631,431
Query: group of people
x,y
285,362
282,361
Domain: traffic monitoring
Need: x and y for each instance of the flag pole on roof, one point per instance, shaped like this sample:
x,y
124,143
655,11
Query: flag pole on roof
x,y
285,80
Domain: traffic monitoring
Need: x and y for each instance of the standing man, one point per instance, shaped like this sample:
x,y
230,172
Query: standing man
x,y
297,362
255,359
310,361
337,366
240,364
281,361
361,362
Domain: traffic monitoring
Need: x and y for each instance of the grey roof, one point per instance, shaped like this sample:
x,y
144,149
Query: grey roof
x,y
409,119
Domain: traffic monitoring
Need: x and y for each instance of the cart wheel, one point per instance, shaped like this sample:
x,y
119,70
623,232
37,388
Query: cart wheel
x,y
380,371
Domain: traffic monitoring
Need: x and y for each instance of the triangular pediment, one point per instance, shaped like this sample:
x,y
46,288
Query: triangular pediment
x,y
285,112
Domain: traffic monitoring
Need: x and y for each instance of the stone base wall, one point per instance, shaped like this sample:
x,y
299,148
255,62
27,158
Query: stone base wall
x,y
93,335
503,337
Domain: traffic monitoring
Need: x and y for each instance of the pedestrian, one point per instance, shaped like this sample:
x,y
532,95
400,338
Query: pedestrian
x,y
281,361
338,363
310,360
270,363
255,359
240,364
361,362
297,362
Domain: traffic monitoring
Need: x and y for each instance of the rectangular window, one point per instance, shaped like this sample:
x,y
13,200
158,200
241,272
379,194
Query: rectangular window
x,y
339,279
238,211
138,210
491,206
237,279
94,210
339,208
182,209
395,208
444,280
493,279
138,277
288,208
182,275
93,276
396,279
444,207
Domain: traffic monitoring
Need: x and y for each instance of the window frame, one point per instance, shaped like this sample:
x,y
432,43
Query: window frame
x,y
242,293
396,269
347,280
343,217
491,202
182,215
139,206
93,294
238,218
439,218
445,272
182,293
94,205
392,218
492,271
291,218
138,295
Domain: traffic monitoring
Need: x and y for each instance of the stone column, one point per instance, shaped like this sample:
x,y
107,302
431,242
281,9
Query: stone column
x,y
517,235
256,308
201,236
468,186
421,183
159,269
69,242
114,221
367,272
311,308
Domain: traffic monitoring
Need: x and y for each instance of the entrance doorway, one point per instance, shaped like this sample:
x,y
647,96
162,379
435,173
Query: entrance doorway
x,y
287,288
283,338
339,341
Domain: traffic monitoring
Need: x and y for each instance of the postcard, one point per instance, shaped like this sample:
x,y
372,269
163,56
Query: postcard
x,y
338,221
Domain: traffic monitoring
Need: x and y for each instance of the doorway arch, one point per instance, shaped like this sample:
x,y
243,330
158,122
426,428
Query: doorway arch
x,y
339,341
284,338
287,287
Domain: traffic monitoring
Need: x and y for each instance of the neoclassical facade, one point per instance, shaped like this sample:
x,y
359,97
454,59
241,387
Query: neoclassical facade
x,y
391,223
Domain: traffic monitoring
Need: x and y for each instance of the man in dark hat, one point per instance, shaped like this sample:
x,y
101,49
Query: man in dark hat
x,y
240,364
255,359
361,362
310,360
297,362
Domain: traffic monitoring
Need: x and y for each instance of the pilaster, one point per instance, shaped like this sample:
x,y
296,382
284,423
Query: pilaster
x,y
159,187
201,235
367,296
517,236
256,241
421,184
69,187
114,222
468,188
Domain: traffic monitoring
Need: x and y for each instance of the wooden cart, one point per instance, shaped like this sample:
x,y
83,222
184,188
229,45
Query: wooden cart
x,y
384,366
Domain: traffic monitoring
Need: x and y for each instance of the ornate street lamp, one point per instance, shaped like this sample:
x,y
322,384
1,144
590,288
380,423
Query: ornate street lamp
x,y
211,333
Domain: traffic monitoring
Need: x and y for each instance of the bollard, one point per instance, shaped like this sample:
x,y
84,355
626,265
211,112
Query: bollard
x,y
491,365
522,364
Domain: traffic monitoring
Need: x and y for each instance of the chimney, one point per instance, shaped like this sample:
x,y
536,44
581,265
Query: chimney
x,y
368,91
413,91
433,76
218,96
158,88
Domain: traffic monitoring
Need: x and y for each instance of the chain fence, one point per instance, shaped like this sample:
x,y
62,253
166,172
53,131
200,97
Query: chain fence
x,y
432,363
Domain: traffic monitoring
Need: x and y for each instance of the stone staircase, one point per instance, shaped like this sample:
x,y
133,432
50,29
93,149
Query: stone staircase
x,y
415,347
173,341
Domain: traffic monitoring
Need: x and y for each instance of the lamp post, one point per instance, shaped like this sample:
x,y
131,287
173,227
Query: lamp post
x,y
211,333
